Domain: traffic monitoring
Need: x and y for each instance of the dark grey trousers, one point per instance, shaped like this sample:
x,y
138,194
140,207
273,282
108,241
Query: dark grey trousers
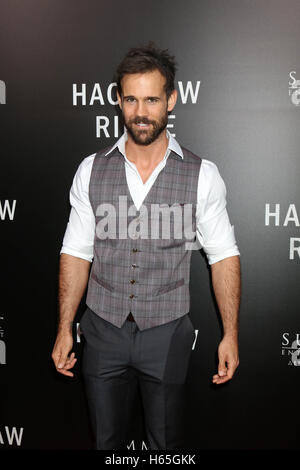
x,y
159,357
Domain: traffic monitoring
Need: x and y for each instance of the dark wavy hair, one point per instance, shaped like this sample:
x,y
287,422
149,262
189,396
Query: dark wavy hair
x,y
145,59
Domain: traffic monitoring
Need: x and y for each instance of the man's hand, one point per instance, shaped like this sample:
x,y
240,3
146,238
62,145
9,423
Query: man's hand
x,y
73,278
228,360
62,347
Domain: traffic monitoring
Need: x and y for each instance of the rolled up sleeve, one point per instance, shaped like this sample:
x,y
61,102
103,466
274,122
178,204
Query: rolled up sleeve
x,y
79,235
214,231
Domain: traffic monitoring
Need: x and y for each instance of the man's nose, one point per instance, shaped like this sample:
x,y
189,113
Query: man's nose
x,y
141,109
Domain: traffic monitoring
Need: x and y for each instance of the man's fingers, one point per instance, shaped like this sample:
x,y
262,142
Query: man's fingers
x,y
222,369
70,364
228,360
62,361
70,358
65,369
224,373
217,379
57,358
62,348
220,380
65,372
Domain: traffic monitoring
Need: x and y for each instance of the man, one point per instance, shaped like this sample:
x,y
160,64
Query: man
x,y
138,301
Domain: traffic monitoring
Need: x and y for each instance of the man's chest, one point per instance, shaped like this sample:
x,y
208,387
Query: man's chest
x,y
140,181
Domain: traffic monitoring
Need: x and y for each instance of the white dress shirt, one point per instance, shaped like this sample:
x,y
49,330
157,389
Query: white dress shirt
x,y
214,233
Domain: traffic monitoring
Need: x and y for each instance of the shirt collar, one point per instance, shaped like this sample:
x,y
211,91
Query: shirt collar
x,y
172,144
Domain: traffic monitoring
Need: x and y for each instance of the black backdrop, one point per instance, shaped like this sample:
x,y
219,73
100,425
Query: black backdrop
x,y
239,80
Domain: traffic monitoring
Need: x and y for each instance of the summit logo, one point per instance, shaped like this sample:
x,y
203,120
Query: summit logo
x,y
290,348
294,89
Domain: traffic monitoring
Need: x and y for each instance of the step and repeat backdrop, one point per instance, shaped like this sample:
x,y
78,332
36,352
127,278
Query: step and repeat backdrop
x,y
238,85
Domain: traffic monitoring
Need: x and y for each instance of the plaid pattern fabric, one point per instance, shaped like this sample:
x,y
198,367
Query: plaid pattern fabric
x,y
148,277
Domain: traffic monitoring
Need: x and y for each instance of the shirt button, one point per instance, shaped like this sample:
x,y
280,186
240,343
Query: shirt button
x,y
132,281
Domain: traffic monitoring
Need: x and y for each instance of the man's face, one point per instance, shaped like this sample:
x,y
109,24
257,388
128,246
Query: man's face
x,y
145,106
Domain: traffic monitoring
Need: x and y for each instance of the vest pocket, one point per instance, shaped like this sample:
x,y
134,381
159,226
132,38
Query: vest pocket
x,y
169,287
102,282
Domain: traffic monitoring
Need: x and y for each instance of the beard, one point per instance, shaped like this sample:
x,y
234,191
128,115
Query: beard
x,y
145,136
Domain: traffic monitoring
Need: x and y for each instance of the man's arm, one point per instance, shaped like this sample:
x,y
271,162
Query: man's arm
x,y
76,256
73,278
226,280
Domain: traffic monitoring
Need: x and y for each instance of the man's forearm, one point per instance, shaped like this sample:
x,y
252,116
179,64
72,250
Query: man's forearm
x,y
226,280
73,278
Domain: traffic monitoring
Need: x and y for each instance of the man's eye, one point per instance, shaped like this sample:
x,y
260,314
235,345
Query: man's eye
x,y
130,100
152,100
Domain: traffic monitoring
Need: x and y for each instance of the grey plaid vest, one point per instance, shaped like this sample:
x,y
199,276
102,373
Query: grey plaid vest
x,y
134,270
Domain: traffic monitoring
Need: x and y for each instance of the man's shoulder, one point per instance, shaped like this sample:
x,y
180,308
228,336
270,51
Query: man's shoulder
x,y
208,167
102,152
88,161
190,156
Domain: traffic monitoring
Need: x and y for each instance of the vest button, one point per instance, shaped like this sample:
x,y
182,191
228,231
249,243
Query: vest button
x,y
131,296
134,250
132,281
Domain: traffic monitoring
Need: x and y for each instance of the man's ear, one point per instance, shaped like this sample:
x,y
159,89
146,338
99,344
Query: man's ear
x,y
172,100
119,100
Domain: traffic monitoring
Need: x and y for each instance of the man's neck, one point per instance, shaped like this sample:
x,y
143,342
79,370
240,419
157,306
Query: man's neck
x,y
146,156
